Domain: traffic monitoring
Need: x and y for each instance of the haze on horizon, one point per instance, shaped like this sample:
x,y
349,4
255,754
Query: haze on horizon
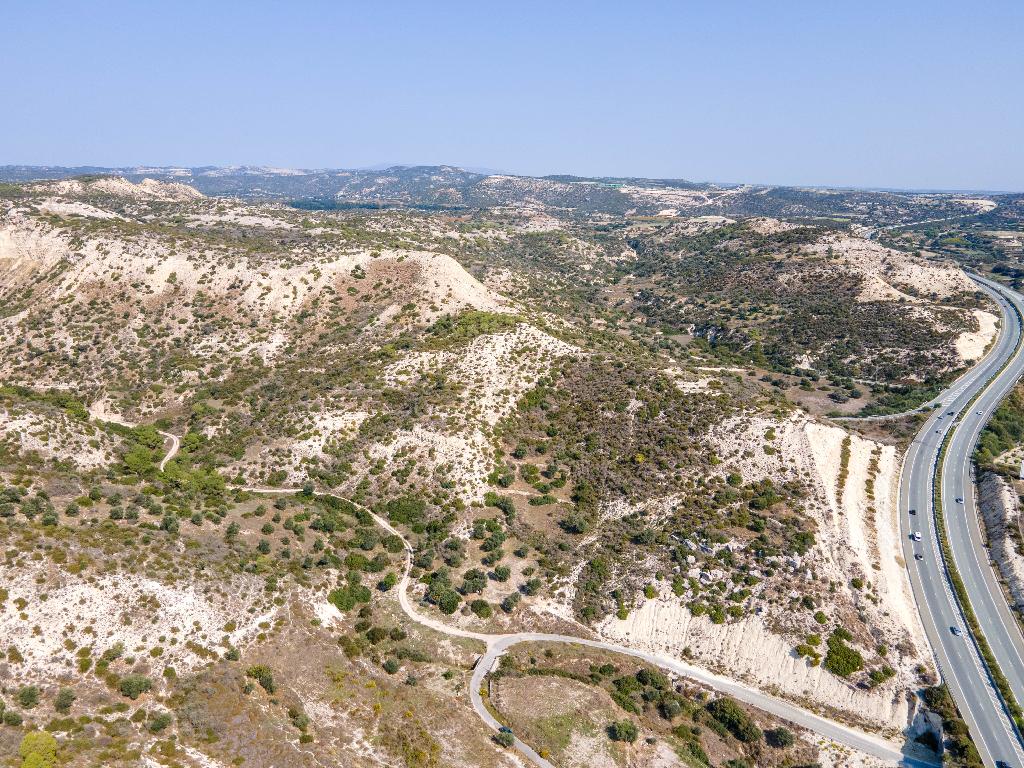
x,y
924,96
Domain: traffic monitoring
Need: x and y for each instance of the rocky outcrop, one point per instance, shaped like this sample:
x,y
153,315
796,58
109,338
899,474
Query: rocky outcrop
x,y
1000,510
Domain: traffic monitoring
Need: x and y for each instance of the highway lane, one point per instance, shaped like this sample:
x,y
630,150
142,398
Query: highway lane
x,y
958,657
959,660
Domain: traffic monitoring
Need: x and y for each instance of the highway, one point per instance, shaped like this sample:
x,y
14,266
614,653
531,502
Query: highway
x,y
958,656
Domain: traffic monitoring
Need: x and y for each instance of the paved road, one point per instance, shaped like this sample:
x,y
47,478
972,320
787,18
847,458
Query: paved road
x,y
175,444
497,644
865,742
958,658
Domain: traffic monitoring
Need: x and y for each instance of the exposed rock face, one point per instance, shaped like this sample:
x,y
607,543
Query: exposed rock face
x,y
1000,509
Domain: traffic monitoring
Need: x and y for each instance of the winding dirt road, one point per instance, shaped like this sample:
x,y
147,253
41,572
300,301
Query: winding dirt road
x,y
497,644
175,445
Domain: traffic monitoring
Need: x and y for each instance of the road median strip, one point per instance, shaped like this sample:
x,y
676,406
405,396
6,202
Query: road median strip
x,y
995,672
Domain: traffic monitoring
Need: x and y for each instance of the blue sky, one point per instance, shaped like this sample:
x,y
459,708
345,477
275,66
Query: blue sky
x,y
896,94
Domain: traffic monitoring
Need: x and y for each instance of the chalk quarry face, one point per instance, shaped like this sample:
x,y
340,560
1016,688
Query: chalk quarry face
x,y
602,421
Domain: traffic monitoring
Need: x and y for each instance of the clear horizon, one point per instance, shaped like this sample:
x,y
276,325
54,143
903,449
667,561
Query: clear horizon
x,y
494,171
925,96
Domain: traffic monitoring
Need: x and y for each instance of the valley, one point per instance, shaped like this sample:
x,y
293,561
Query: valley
x,y
283,456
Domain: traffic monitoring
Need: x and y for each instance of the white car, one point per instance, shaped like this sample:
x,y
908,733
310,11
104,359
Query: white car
x,y
917,535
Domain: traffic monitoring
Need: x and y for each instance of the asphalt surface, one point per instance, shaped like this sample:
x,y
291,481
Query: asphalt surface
x,y
175,445
851,737
958,657
497,644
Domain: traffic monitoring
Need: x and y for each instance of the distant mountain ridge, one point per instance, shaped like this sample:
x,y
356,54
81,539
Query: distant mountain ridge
x,y
451,187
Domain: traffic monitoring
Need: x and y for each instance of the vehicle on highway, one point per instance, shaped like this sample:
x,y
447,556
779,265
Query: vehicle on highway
x,y
1002,764
959,499
912,511
956,631
951,413
918,556
978,412
917,535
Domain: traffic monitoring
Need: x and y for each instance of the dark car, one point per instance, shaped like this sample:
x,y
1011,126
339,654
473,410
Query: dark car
x,y
956,631
959,499
912,511
951,413
918,556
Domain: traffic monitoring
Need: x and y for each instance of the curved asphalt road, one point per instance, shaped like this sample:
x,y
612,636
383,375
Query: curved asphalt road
x,y
497,644
175,445
959,659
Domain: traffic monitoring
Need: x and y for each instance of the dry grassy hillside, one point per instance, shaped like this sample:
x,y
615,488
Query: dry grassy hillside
x,y
602,427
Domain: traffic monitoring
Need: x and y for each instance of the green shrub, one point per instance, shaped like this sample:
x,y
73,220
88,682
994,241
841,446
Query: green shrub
x,y
780,738
841,659
505,738
406,509
623,730
574,522
12,718
263,675
734,719
134,686
38,749
65,698
160,722
346,598
28,696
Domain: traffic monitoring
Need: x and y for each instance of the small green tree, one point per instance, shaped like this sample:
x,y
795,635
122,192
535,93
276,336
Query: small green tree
x,y
623,730
28,696
505,738
841,659
38,749
736,721
263,675
65,698
134,686
780,737
481,608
